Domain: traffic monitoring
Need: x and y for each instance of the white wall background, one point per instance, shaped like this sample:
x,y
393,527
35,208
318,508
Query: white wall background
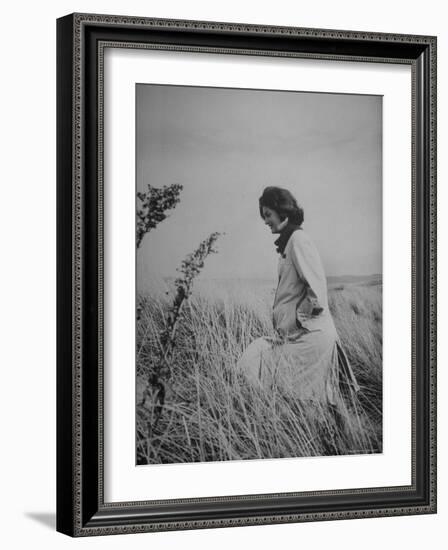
x,y
28,300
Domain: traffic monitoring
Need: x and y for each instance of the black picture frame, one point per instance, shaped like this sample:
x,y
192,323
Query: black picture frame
x,y
81,510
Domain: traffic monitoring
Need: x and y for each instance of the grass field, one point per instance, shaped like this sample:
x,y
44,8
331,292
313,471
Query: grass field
x,y
211,414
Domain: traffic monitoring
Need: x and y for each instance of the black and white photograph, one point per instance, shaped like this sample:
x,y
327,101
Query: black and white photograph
x,y
258,274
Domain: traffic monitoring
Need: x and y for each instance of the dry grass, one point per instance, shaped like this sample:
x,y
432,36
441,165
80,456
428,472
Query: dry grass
x,y
211,414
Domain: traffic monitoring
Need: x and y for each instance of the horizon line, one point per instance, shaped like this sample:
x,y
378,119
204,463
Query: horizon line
x,y
265,278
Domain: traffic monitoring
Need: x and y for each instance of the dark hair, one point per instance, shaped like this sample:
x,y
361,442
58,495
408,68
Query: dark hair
x,y
283,202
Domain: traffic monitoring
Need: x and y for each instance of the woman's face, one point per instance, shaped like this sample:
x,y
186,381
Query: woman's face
x,y
272,219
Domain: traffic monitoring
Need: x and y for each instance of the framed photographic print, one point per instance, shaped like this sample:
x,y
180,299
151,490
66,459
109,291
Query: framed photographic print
x,y
246,274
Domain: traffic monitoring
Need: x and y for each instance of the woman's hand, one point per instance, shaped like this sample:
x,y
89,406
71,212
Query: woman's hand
x,y
307,309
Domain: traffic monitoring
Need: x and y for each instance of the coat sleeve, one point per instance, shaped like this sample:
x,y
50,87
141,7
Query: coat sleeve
x,y
306,261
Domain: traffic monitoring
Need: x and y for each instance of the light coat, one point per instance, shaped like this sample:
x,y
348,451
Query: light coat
x,y
305,356
301,299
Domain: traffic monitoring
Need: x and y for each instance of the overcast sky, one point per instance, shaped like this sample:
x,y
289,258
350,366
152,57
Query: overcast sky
x,y
226,145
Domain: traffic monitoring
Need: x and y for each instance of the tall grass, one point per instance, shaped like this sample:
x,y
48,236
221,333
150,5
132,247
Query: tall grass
x,y
210,411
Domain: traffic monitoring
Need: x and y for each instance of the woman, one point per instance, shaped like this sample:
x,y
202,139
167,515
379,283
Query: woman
x,y
305,355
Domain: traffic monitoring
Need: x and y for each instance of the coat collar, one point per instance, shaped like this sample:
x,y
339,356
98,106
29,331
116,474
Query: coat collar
x,y
283,239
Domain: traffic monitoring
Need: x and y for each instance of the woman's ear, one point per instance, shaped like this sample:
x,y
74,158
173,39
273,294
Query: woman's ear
x,y
284,223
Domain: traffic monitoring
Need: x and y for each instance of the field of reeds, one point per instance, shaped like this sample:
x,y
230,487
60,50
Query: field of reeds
x,y
210,413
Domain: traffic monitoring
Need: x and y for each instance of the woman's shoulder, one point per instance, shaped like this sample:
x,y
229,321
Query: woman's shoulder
x,y
301,242
300,237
